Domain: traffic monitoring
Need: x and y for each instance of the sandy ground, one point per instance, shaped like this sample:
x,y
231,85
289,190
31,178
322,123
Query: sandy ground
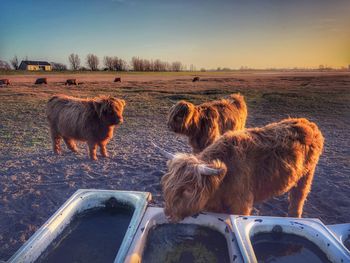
x,y
34,183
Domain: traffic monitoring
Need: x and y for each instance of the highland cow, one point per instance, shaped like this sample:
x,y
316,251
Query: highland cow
x,y
195,79
41,81
4,82
245,167
71,82
117,80
204,123
90,120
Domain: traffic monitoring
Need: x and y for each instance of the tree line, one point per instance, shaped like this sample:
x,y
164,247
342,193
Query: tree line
x,y
112,63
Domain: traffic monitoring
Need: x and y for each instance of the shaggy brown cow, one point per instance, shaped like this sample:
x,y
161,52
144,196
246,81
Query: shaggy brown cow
x,y
117,80
195,79
71,82
244,167
41,81
204,123
4,82
90,120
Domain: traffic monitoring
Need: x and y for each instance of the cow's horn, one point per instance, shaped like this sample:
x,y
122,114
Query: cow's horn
x,y
205,170
164,152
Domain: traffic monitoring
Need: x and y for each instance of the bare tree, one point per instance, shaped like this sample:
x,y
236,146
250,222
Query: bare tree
x,y
136,64
161,65
119,64
147,65
14,62
176,66
139,64
58,66
92,61
4,65
74,61
157,65
108,62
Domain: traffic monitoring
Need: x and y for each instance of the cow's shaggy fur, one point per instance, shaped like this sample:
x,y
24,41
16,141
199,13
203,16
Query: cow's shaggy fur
x,y
253,165
90,120
4,82
71,82
41,81
118,79
204,123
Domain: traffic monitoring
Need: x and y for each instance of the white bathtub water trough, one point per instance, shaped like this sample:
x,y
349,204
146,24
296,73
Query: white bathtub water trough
x,y
236,230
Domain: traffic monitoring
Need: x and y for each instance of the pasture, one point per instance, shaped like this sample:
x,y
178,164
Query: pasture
x,y
34,182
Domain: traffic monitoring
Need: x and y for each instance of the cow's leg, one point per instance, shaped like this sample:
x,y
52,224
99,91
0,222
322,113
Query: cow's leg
x,y
70,144
56,141
92,150
244,205
298,194
103,149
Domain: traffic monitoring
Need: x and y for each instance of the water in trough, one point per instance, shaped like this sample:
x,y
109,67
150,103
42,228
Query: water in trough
x,y
286,248
186,243
94,235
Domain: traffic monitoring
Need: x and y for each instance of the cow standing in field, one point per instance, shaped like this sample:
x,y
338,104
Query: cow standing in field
x,y
244,167
4,82
71,82
90,120
195,79
204,123
117,79
41,81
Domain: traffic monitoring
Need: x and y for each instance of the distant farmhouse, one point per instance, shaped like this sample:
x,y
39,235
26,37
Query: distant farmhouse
x,y
35,65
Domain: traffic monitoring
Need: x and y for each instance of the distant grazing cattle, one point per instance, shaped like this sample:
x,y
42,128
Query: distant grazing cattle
x,y
117,80
204,123
90,120
4,82
195,79
244,167
71,82
41,81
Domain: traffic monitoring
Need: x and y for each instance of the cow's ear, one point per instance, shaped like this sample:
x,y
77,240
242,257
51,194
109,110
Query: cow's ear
x,y
123,102
184,108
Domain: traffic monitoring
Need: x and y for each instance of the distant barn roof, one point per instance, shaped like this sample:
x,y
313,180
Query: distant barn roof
x,y
39,63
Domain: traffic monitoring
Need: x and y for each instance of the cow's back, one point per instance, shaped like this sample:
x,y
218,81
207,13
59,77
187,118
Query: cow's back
x,y
230,117
69,116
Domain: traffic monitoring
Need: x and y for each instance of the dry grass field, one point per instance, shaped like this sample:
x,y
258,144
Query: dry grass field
x,y
34,182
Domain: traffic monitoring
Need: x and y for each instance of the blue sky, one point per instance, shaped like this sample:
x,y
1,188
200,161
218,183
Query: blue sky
x,y
210,34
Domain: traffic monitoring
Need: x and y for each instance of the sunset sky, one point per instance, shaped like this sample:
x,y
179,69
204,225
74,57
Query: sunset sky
x,y
210,34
